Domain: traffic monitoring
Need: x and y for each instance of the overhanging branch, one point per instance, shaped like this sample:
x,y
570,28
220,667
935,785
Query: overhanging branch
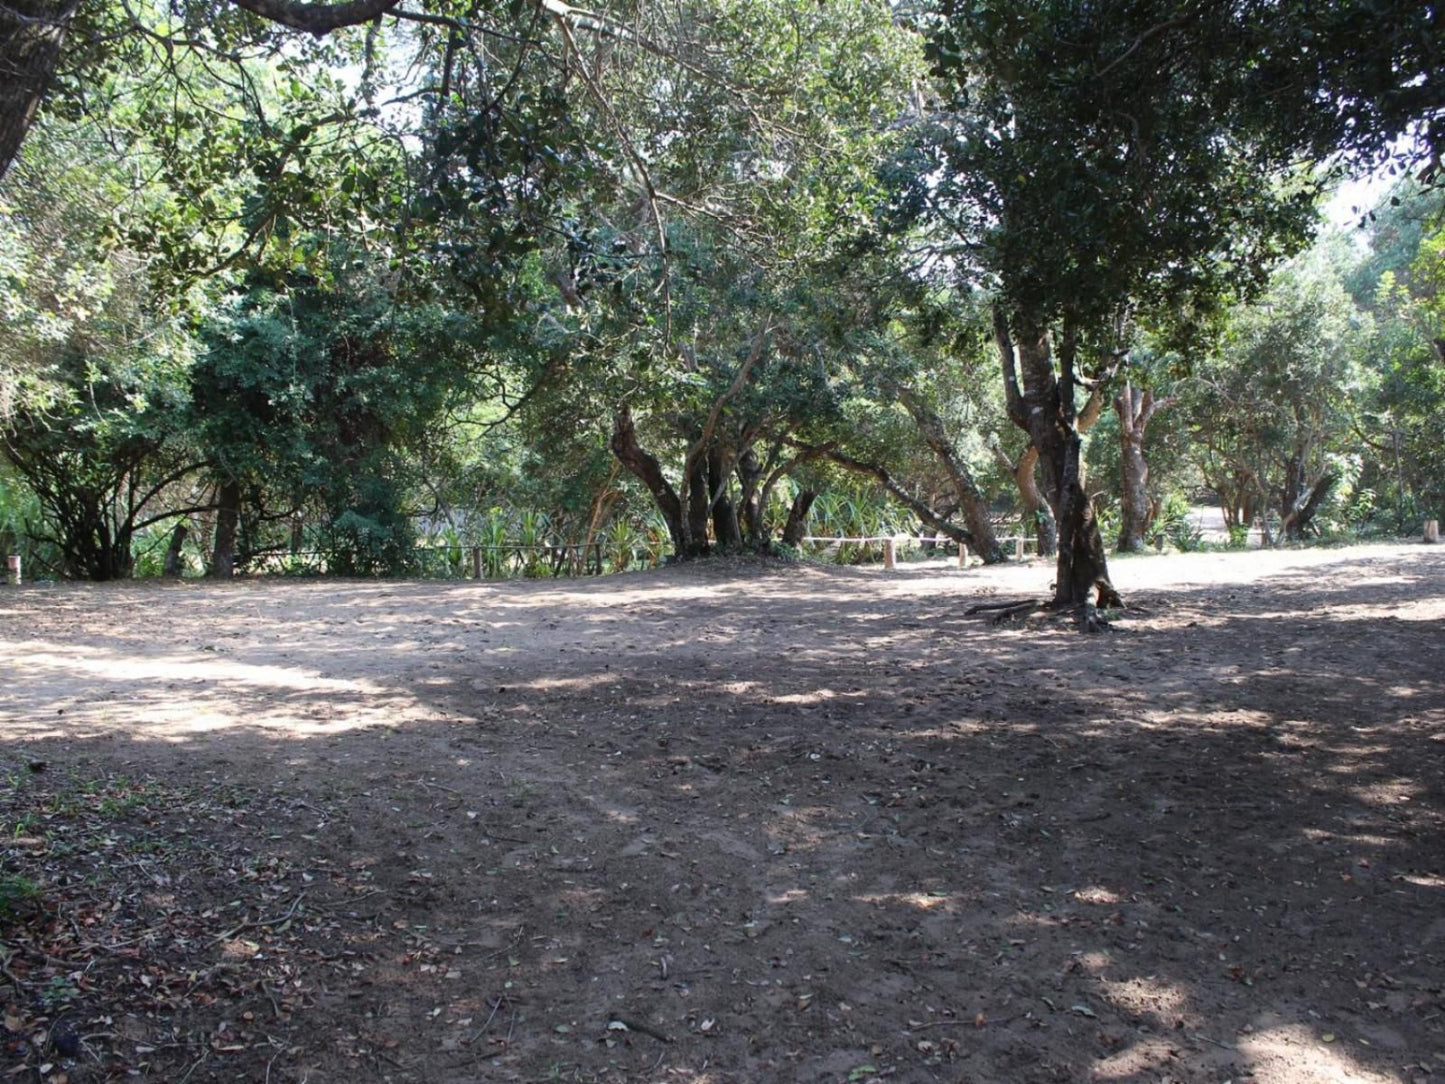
x,y
317,19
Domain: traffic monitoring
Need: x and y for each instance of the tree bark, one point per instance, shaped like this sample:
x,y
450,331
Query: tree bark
x,y
318,19
797,526
1135,408
750,510
699,505
1037,516
228,517
1133,472
1041,403
970,501
31,34
646,469
1303,499
173,551
725,527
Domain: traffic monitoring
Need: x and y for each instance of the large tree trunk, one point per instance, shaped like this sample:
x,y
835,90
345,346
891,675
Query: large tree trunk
x,y
173,550
750,501
965,490
645,467
31,34
1042,404
1135,408
797,526
1302,497
724,513
698,508
228,517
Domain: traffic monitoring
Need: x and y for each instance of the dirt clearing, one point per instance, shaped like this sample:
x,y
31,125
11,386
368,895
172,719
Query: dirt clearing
x,y
729,823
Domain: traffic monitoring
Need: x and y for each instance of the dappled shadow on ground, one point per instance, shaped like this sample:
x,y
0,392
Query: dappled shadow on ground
x,y
807,824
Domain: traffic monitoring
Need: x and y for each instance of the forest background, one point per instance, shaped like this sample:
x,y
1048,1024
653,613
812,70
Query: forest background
x,y
364,287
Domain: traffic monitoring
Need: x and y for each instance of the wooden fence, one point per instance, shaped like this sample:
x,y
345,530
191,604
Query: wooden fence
x,y
563,559
893,543
460,561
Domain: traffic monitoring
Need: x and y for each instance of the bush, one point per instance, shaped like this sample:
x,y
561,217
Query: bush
x,y
370,535
1175,525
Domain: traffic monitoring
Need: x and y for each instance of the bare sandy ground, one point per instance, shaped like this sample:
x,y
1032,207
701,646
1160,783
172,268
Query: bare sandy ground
x,y
731,822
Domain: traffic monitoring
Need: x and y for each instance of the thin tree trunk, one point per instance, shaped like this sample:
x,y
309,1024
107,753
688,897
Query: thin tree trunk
x,y
1135,408
929,517
228,516
965,489
173,551
1133,471
601,505
797,525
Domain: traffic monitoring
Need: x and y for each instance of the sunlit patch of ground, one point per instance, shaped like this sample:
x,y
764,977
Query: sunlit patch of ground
x,y
805,823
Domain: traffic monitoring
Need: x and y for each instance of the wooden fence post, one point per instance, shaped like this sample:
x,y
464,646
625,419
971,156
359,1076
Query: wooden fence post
x,y
1432,535
888,555
1019,548
476,562
962,555
12,565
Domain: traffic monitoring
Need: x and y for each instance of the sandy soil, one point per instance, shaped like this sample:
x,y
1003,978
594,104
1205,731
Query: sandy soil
x,y
729,823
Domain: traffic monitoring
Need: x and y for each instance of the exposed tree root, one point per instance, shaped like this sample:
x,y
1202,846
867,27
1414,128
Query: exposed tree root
x,y
999,612
1090,619
1088,616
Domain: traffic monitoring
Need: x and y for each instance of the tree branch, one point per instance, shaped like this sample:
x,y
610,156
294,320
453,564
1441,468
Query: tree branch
x,y
1013,398
318,19
880,473
710,426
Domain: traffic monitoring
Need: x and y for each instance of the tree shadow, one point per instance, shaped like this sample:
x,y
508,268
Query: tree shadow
x,y
823,811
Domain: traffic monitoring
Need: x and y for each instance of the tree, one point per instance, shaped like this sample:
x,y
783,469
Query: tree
x,y
1399,283
102,469
1341,81
914,415
1135,405
92,365
1074,210
322,395
1275,408
693,274
33,34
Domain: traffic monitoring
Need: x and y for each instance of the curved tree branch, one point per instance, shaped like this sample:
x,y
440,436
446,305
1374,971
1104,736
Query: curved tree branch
x,y
317,19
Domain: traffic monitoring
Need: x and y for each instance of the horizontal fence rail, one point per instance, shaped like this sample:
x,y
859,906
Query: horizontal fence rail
x,y
512,560
893,543
481,562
